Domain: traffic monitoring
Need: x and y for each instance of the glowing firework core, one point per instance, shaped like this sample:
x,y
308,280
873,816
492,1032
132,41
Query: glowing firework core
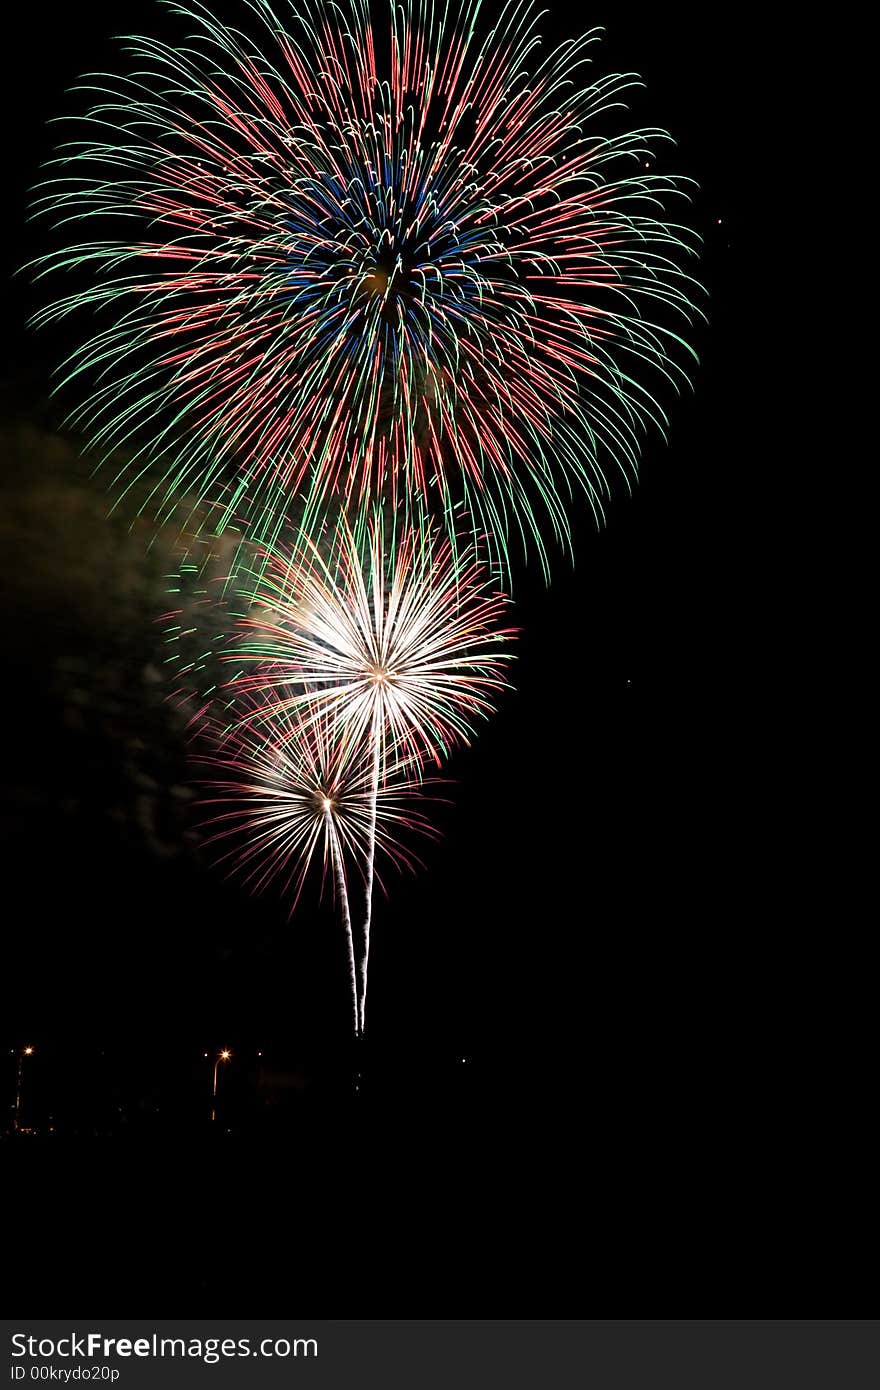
x,y
377,280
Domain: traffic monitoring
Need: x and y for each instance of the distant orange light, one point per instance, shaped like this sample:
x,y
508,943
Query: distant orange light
x,y
28,1051
225,1056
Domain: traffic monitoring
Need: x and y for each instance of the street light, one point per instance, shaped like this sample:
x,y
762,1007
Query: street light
x,y
223,1056
25,1052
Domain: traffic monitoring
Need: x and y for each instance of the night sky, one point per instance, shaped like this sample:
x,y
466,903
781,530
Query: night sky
x,y
571,1006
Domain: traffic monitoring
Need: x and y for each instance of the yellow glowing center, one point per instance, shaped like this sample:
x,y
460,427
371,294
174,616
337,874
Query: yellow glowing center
x,y
327,804
377,281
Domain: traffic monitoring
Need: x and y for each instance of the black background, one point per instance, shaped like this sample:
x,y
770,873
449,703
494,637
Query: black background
x,y
587,1062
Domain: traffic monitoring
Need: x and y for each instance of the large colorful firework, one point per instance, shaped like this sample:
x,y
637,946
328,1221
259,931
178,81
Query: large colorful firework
x,y
399,643
348,258
286,794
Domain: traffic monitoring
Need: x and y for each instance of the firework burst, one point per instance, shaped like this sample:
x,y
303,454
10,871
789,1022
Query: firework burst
x,y
350,259
401,635
288,795
398,643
